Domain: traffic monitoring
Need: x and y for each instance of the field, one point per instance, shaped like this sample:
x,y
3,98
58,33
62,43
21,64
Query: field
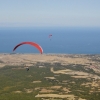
x,y
50,77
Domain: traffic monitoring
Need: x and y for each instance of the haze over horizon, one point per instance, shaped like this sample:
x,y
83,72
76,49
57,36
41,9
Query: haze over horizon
x,y
47,13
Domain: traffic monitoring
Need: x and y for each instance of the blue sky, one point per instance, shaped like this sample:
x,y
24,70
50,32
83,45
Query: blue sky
x,y
20,13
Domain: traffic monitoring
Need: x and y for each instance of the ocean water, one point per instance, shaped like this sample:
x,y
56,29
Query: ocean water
x,y
64,40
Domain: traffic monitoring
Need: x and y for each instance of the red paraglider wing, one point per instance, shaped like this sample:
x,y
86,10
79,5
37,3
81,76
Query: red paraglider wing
x,y
31,43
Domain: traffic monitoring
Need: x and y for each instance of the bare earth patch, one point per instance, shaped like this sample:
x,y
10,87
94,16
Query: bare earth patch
x,y
75,74
46,91
71,97
52,78
79,76
36,82
17,91
28,90
55,87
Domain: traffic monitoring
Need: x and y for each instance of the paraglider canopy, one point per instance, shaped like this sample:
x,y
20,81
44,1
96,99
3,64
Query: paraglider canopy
x,y
50,35
30,43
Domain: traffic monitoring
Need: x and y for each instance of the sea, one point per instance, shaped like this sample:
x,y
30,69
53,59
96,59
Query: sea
x,y
64,40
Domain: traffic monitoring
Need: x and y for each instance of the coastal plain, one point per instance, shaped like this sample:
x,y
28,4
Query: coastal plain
x,y
51,76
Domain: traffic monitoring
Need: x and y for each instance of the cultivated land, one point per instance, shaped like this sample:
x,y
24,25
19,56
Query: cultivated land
x,y
51,77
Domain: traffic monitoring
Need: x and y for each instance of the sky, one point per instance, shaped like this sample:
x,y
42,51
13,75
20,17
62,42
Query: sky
x,y
50,13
